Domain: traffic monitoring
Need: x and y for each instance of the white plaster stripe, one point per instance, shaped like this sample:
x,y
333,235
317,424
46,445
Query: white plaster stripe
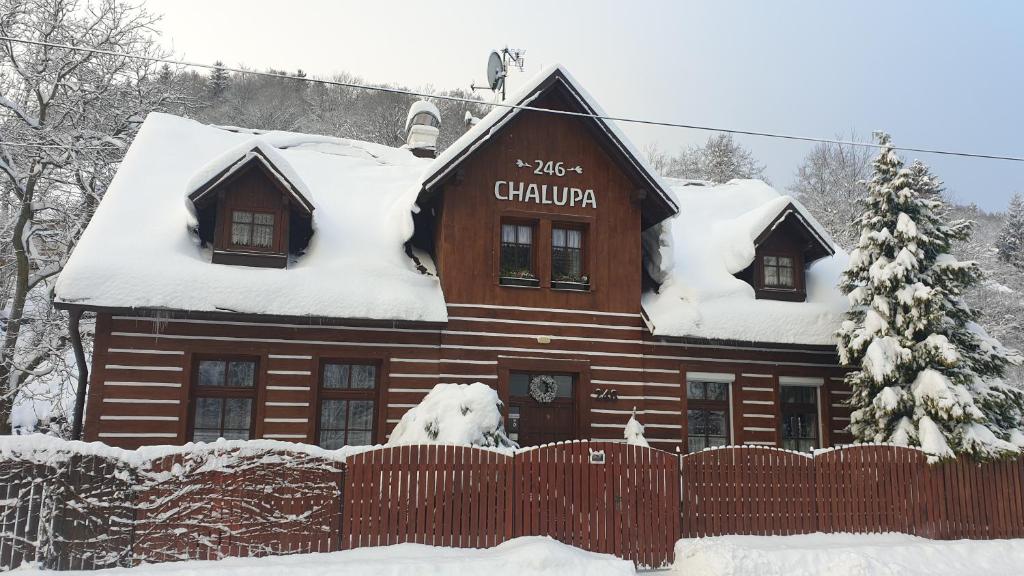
x,y
462,347
147,368
757,375
459,361
269,340
840,406
286,404
629,383
758,389
724,377
841,392
144,418
416,360
287,420
840,432
670,426
666,440
292,436
760,402
140,351
289,372
559,310
139,401
841,418
756,429
402,405
144,384
759,443
480,376
280,325
394,420
554,338
410,390
410,375
543,323
759,416
619,369
300,388
801,381
837,378
289,357
137,435
638,412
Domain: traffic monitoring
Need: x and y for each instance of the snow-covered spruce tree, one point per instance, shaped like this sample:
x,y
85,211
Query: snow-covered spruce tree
x,y
923,372
1010,244
218,81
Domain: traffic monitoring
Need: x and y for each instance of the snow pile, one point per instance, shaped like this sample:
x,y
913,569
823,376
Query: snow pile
x,y
138,251
634,432
696,255
462,414
527,556
846,555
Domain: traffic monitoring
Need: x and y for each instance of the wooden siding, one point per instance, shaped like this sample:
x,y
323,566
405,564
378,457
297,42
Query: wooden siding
x,y
469,223
143,371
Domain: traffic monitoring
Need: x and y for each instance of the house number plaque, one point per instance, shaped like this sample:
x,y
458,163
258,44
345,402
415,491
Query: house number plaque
x,y
606,394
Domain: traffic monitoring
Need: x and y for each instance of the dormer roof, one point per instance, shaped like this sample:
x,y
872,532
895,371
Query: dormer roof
x,y
254,153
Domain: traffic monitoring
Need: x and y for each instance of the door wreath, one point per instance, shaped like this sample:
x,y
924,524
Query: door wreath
x,y
543,388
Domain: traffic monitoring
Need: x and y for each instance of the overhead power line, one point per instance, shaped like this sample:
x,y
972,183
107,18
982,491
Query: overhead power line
x,y
405,92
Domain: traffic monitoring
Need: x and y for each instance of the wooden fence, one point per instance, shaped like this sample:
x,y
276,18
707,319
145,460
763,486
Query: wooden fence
x,y
113,509
626,503
868,488
107,508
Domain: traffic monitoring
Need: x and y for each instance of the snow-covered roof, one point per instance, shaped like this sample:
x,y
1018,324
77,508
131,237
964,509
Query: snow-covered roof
x,y
482,131
233,160
698,253
139,251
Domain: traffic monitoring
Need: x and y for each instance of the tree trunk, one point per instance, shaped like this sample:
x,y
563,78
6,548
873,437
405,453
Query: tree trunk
x,y
17,310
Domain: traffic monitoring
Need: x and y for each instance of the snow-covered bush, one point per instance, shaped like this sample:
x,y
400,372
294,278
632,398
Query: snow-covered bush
x,y
466,414
924,372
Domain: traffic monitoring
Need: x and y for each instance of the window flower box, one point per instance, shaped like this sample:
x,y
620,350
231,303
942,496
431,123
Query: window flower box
x,y
519,281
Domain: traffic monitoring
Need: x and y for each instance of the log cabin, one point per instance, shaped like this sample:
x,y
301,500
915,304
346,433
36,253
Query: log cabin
x,y
251,284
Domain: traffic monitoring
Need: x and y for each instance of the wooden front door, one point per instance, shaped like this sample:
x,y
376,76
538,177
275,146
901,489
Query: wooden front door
x,y
533,421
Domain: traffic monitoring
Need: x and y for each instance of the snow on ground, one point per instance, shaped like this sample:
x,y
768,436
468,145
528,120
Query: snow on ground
x,y
529,556
846,555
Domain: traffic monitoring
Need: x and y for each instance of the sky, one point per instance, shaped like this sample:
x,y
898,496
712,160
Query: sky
x,y
934,74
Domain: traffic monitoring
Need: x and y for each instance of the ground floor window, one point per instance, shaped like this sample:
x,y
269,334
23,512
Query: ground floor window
x,y
224,394
707,414
799,407
348,402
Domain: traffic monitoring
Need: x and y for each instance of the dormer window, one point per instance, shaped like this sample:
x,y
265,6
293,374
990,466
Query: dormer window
x,y
778,273
252,229
250,213
783,252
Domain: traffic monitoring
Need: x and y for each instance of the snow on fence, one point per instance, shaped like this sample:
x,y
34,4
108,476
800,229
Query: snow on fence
x,y
864,489
70,505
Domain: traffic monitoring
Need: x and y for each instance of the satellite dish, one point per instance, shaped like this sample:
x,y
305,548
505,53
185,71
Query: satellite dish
x,y
495,71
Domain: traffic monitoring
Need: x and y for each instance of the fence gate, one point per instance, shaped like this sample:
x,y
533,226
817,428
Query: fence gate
x,y
599,496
